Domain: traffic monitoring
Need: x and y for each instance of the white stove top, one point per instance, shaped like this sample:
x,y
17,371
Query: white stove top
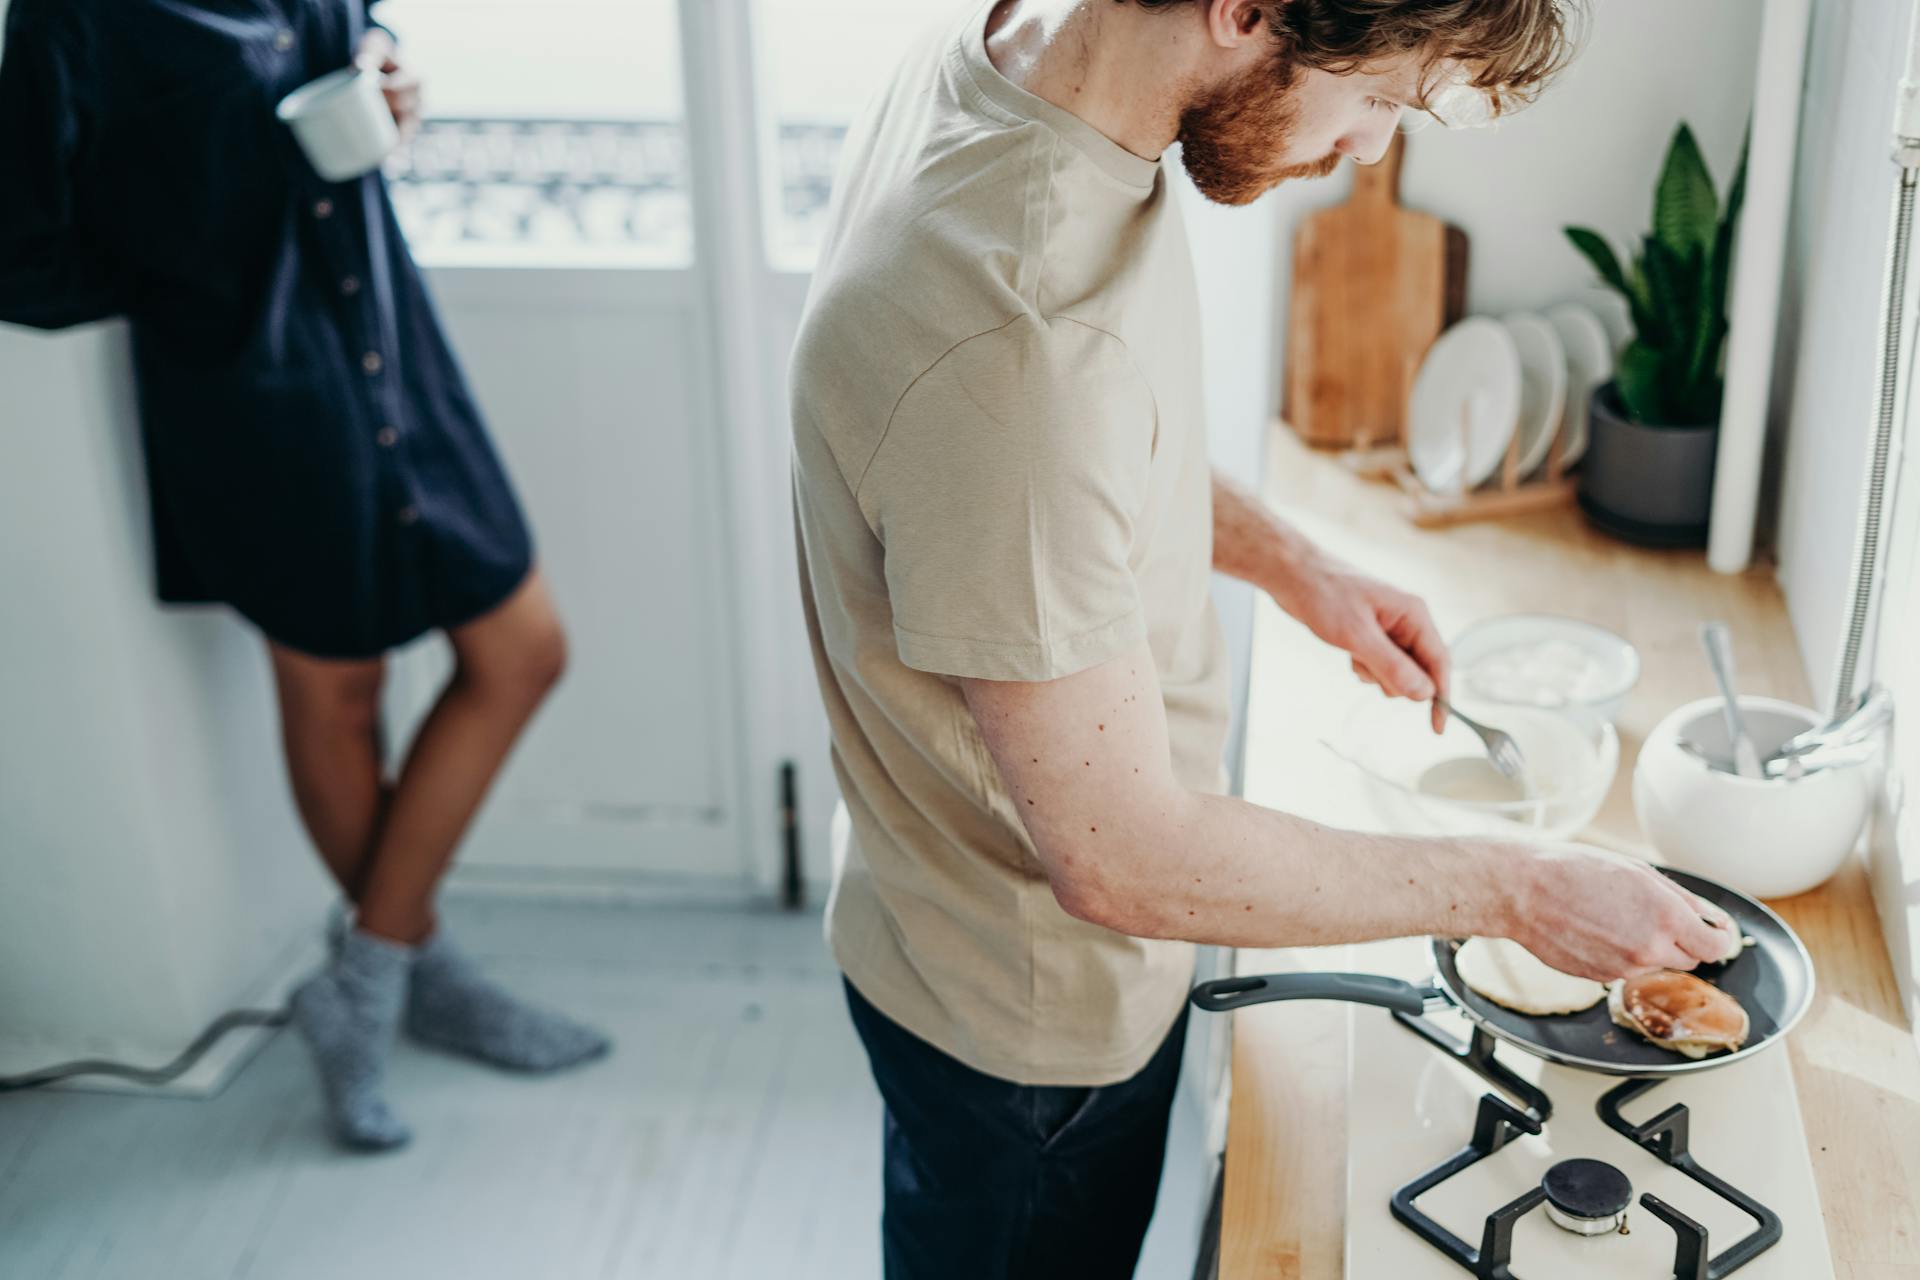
x,y
1410,1108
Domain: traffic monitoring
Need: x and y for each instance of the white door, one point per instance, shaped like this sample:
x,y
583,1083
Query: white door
x,y
550,199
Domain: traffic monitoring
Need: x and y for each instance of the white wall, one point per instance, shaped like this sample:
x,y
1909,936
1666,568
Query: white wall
x,y
151,869
1824,400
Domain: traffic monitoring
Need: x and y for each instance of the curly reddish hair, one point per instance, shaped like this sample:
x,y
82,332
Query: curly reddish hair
x,y
1508,49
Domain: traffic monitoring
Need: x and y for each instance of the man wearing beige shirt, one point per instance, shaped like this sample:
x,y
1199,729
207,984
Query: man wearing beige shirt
x,y
1008,524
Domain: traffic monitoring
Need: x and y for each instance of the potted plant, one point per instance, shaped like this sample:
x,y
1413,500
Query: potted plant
x,y
1648,471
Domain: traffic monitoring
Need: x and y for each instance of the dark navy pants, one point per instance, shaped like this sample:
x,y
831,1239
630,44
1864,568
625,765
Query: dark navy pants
x,y
989,1180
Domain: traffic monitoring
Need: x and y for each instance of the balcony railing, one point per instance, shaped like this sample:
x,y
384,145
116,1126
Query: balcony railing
x,y
585,184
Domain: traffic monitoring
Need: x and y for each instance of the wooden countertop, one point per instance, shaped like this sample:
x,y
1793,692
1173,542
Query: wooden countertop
x,y
1855,1061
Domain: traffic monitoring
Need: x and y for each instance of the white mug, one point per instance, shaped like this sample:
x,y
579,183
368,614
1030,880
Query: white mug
x,y
342,122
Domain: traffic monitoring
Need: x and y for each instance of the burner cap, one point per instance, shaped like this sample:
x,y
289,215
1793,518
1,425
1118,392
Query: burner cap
x,y
1591,1190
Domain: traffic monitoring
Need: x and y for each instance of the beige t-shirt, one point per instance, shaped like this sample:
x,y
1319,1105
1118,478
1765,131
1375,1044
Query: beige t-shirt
x,y
1000,472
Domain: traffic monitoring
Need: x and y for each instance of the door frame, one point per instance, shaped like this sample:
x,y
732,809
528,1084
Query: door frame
x,y
730,269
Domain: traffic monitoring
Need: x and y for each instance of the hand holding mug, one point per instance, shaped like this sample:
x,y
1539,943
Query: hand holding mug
x,y
379,55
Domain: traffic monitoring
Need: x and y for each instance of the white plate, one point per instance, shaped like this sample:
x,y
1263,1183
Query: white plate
x,y
1589,364
1465,401
1543,386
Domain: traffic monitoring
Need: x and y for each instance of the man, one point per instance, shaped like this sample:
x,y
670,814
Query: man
x,y
1008,525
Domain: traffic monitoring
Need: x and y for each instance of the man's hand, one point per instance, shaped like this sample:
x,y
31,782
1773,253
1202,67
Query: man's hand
x,y
378,54
1388,632
1600,915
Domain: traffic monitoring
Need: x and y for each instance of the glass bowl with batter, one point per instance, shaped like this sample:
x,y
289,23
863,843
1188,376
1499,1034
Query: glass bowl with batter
x,y
1422,783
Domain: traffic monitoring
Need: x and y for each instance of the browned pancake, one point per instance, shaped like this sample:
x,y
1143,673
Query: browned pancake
x,y
1680,1012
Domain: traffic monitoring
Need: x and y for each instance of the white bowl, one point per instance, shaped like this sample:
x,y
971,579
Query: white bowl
x,y
1423,783
1768,838
1541,660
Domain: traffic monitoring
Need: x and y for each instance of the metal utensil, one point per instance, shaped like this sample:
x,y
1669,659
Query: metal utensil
x,y
1836,756
1502,750
1718,643
1871,710
1815,755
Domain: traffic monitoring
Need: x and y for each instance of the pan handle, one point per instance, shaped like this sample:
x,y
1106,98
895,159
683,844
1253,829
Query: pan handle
x,y
1223,994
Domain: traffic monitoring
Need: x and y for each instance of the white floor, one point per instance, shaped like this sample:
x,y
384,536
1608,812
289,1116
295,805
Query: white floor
x,y
733,1133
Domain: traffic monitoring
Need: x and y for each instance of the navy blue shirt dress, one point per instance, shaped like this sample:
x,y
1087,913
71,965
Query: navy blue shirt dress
x,y
314,456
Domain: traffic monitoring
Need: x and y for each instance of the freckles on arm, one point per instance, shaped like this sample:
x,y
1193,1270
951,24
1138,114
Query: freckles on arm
x,y
1093,746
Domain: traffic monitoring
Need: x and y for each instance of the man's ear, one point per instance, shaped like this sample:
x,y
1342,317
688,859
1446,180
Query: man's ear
x,y
1231,23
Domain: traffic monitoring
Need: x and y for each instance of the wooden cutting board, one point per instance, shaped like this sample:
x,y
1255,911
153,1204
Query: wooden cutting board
x,y
1373,285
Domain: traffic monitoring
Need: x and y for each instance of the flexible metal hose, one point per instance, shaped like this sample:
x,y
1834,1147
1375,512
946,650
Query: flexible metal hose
x,y
1866,552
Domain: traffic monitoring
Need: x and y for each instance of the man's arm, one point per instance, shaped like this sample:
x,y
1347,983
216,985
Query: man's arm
x,y
1126,846
1388,632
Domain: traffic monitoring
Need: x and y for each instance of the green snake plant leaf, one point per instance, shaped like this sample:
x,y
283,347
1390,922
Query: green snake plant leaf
x,y
1596,250
1702,404
1649,321
1684,206
1600,254
1679,284
1638,378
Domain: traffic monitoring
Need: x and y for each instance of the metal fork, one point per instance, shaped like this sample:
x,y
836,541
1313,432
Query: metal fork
x,y
1502,750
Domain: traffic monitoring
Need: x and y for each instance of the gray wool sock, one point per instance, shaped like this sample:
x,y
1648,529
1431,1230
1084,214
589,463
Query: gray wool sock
x,y
348,1014
451,1006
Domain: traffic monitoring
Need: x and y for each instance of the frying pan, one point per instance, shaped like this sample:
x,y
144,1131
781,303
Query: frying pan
x,y
1772,980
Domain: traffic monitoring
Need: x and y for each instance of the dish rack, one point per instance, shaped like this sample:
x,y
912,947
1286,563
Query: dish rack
x,y
1508,493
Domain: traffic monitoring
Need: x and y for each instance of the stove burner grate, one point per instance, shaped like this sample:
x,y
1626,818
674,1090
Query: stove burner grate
x,y
1582,1192
1666,1137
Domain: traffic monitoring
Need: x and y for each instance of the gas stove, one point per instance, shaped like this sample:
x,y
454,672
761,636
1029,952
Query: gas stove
x,y
1503,1166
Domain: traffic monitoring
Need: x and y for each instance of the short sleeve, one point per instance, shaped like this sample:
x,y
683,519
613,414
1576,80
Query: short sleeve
x,y
1005,493
49,276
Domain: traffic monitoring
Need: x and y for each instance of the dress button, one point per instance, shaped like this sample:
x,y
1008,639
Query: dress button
x,y
371,362
323,208
283,40
388,437
408,515
350,285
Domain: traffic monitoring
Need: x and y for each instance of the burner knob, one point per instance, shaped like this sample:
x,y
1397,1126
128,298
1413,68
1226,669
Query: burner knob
x,y
1587,1197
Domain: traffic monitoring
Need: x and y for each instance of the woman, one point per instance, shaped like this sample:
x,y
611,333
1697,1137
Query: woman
x,y
314,459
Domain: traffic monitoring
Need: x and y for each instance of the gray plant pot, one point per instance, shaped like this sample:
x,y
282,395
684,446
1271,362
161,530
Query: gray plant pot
x,y
1650,485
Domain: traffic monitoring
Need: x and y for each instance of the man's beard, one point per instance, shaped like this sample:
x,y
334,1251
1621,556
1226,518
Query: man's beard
x,y
1230,139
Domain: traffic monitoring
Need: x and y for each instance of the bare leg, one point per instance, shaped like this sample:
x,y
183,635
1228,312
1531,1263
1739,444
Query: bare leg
x,y
330,731
388,848
505,664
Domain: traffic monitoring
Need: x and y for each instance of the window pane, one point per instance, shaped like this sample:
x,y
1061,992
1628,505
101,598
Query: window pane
x,y
820,60
556,128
